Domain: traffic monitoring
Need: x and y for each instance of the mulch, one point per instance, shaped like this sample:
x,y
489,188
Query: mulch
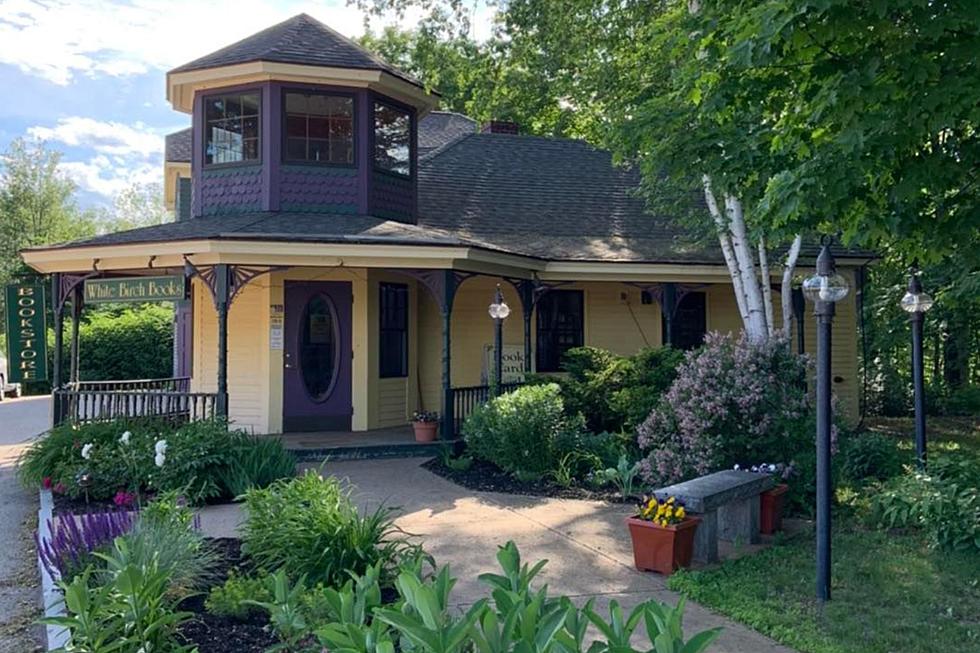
x,y
64,504
218,634
485,477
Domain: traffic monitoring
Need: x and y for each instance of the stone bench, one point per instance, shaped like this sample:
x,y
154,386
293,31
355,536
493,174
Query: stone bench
x,y
728,504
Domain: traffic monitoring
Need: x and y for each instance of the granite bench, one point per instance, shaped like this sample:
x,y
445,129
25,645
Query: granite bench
x,y
728,504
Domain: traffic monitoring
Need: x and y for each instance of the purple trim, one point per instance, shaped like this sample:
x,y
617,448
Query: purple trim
x,y
364,105
272,124
197,155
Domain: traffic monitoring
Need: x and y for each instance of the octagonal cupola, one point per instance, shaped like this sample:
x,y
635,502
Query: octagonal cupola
x,y
299,118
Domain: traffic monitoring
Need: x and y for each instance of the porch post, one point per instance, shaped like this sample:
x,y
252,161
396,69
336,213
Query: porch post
x,y
76,314
221,305
448,409
527,308
668,307
58,336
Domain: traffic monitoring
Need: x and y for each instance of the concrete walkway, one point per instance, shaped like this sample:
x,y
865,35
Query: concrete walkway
x,y
585,542
20,421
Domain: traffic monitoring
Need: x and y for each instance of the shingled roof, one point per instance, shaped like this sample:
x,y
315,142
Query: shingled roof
x,y
439,128
177,147
303,40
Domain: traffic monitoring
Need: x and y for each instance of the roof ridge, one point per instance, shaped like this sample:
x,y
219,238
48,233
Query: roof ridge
x,y
428,156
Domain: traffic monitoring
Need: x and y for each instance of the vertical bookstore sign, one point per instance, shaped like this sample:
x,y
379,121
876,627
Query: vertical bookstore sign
x,y
27,358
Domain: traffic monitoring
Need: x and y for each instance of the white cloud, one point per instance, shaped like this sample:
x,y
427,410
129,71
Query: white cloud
x,y
60,39
104,177
103,137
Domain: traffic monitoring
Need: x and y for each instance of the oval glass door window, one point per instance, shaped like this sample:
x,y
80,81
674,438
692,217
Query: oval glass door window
x,y
319,348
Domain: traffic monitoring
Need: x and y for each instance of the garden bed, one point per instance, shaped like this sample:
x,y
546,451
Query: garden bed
x,y
484,477
218,634
64,504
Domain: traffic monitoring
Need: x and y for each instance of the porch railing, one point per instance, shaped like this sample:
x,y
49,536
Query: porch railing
x,y
167,399
468,399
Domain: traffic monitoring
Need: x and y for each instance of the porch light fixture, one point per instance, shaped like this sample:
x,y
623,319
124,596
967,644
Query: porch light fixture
x,y
916,302
499,311
824,289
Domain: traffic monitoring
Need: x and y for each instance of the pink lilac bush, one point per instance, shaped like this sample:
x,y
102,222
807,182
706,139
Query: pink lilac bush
x,y
732,401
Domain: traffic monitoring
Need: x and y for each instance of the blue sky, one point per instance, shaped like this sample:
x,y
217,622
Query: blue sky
x,y
87,76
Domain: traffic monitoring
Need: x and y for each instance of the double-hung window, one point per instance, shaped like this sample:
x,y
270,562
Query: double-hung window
x,y
560,327
231,129
392,139
393,330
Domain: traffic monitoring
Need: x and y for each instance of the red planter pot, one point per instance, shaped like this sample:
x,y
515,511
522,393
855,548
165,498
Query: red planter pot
x,y
771,509
425,431
662,548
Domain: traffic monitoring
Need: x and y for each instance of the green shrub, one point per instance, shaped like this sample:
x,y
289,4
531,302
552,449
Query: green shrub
x,y
870,456
943,502
613,392
308,526
518,431
962,401
230,599
257,462
126,342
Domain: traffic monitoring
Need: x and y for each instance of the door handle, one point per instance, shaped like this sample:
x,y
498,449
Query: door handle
x,y
287,364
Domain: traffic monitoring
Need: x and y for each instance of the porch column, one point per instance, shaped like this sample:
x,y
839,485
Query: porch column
x,y
221,305
668,307
76,314
799,308
448,409
56,354
527,308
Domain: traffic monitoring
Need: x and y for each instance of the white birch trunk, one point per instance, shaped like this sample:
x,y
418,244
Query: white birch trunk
x,y
724,239
766,287
786,289
755,327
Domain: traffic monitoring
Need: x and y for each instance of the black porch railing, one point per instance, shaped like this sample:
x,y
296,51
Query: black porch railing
x,y
468,399
168,399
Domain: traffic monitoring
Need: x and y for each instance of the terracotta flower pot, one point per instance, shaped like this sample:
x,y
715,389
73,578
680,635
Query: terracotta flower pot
x,y
771,509
662,548
425,431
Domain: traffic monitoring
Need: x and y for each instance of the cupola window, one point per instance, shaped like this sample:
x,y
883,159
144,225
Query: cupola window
x,y
392,139
319,128
231,128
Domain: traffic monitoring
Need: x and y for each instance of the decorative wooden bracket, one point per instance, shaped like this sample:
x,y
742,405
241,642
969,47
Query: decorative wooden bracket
x,y
239,276
439,286
68,285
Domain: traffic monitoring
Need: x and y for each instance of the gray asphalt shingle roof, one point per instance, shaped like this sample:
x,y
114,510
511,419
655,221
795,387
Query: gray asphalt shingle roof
x,y
439,128
301,39
177,146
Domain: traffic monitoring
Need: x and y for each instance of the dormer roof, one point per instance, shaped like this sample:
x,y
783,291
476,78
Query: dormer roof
x,y
300,48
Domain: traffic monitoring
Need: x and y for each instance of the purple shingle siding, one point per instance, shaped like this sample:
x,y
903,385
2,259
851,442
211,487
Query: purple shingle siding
x,y
318,189
231,190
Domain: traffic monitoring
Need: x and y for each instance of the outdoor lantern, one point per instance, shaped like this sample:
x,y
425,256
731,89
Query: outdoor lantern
x,y
499,310
824,289
915,300
916,303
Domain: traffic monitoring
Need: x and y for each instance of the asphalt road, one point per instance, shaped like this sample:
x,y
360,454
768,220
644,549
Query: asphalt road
x,y
21,420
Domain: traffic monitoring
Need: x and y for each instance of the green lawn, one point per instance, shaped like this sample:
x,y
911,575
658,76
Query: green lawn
x,y
891,594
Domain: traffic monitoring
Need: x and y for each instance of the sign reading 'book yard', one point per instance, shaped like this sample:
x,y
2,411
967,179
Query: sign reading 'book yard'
x,y
27,358
135,289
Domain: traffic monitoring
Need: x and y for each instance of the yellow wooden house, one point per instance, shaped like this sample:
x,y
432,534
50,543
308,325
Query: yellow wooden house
x,y
342,240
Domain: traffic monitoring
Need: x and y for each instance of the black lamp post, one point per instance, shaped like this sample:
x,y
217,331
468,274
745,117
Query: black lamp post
x,y
916,303
824,289
499,310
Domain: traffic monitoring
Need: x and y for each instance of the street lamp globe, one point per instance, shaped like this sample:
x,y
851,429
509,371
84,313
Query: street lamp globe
x,y
915,300
499,310
830,287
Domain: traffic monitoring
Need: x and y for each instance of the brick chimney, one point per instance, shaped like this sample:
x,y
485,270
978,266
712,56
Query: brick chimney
x,y
500,127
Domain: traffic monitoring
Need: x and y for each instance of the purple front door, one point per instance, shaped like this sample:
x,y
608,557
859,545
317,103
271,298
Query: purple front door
x,y
317,356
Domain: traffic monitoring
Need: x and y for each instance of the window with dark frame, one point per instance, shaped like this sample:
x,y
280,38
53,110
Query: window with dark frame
x,y
392,139
231,128
560,323
393,332
690,321
319,128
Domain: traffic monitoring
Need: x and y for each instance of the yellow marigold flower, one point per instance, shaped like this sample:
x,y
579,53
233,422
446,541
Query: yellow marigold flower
x,y
681,513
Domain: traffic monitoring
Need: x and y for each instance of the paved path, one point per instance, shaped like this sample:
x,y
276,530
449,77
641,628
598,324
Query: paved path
x,y
585,542
20,421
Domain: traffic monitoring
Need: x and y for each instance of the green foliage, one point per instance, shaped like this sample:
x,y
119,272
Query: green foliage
x,y
231,599
623,476
126,342
870,456
518,431
165,536
962,401
308,526
257,462
616,393
128,607
285,612
944,503
204,460
350,610
457,463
